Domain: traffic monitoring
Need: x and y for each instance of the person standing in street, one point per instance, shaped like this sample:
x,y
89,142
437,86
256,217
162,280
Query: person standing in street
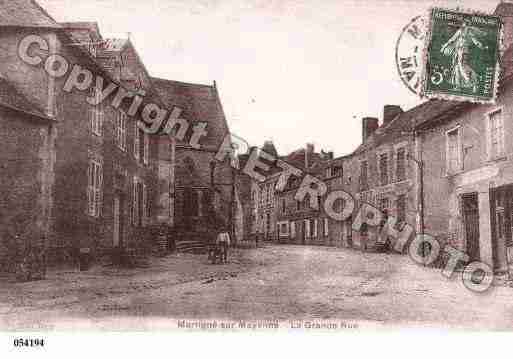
x,y
223,241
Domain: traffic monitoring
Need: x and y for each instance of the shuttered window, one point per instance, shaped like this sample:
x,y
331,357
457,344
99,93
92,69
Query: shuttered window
x,y
364,184
137,141
453,151
146,148
94,188
400,164
96,116
496,129
383,169
121,130
401,208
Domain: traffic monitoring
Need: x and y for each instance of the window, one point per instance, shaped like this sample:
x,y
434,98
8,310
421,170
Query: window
x,y
298,205
307,228
400,164
97,120
383,169
141,144
315,225
326,229
401,208
453,151
121,130
283,205
384,204
283,229
293,229
364,185
139,202
329,172
96,115
191,199
337,171
94,187
496,134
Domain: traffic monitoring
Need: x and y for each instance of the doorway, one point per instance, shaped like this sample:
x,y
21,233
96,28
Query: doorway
x,y
501,208
470,206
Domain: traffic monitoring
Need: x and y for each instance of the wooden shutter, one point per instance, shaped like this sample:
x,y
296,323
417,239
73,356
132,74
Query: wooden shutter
x,y
98,188
136,141
145,204
135,202
90,192
146,148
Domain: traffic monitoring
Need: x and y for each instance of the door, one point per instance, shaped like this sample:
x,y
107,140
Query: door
x,y
500,211
470,205
118,221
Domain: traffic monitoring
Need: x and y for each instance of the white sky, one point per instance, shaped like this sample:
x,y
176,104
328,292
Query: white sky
x,y
293,71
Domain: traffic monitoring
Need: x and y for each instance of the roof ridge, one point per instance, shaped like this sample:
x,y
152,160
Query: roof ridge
x,y
43,10
181,82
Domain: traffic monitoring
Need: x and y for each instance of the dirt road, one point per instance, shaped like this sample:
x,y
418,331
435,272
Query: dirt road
x,y
270,283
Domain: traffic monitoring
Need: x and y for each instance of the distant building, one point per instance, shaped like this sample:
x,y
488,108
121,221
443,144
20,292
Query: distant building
x,y
188,200
297,222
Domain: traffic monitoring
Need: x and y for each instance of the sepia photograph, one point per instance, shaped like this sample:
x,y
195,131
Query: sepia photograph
x,y
255,166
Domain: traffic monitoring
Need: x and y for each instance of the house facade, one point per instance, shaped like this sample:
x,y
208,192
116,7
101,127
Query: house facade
x,y
104,168
468,179
296,221
468,172
27,160
381,172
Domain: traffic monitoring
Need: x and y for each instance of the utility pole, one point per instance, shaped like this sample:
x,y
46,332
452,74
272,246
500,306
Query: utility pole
x,y
420,166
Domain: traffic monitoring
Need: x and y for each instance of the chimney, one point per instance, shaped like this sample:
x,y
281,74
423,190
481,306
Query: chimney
x,y
390,112
505,11
308,154
369,125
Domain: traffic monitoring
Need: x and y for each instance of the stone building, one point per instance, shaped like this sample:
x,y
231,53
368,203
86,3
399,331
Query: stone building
x,y
468,170
195,190
27,159
296,221
101,194
382,172
263,197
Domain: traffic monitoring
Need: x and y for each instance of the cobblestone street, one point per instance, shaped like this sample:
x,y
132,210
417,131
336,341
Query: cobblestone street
x,y
273,282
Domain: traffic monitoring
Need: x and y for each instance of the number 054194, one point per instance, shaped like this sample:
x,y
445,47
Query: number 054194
x,y
25,342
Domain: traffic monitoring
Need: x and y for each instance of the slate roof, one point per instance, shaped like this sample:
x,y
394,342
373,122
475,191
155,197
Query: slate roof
x,y
12,98
82,32
26,13
200,103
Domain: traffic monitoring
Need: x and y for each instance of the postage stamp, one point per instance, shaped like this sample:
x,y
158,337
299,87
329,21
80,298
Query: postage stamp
x,y
462,56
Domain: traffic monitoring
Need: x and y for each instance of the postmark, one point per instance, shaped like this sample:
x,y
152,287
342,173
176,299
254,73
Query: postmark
x,y
462,54
409,53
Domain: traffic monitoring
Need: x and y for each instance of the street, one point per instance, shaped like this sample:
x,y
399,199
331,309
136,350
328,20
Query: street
x,y
274,282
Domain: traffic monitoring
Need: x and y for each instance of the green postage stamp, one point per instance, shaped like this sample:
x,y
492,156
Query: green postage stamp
x,y
462,57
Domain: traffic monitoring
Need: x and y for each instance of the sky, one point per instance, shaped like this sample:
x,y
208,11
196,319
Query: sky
x,y
290,71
